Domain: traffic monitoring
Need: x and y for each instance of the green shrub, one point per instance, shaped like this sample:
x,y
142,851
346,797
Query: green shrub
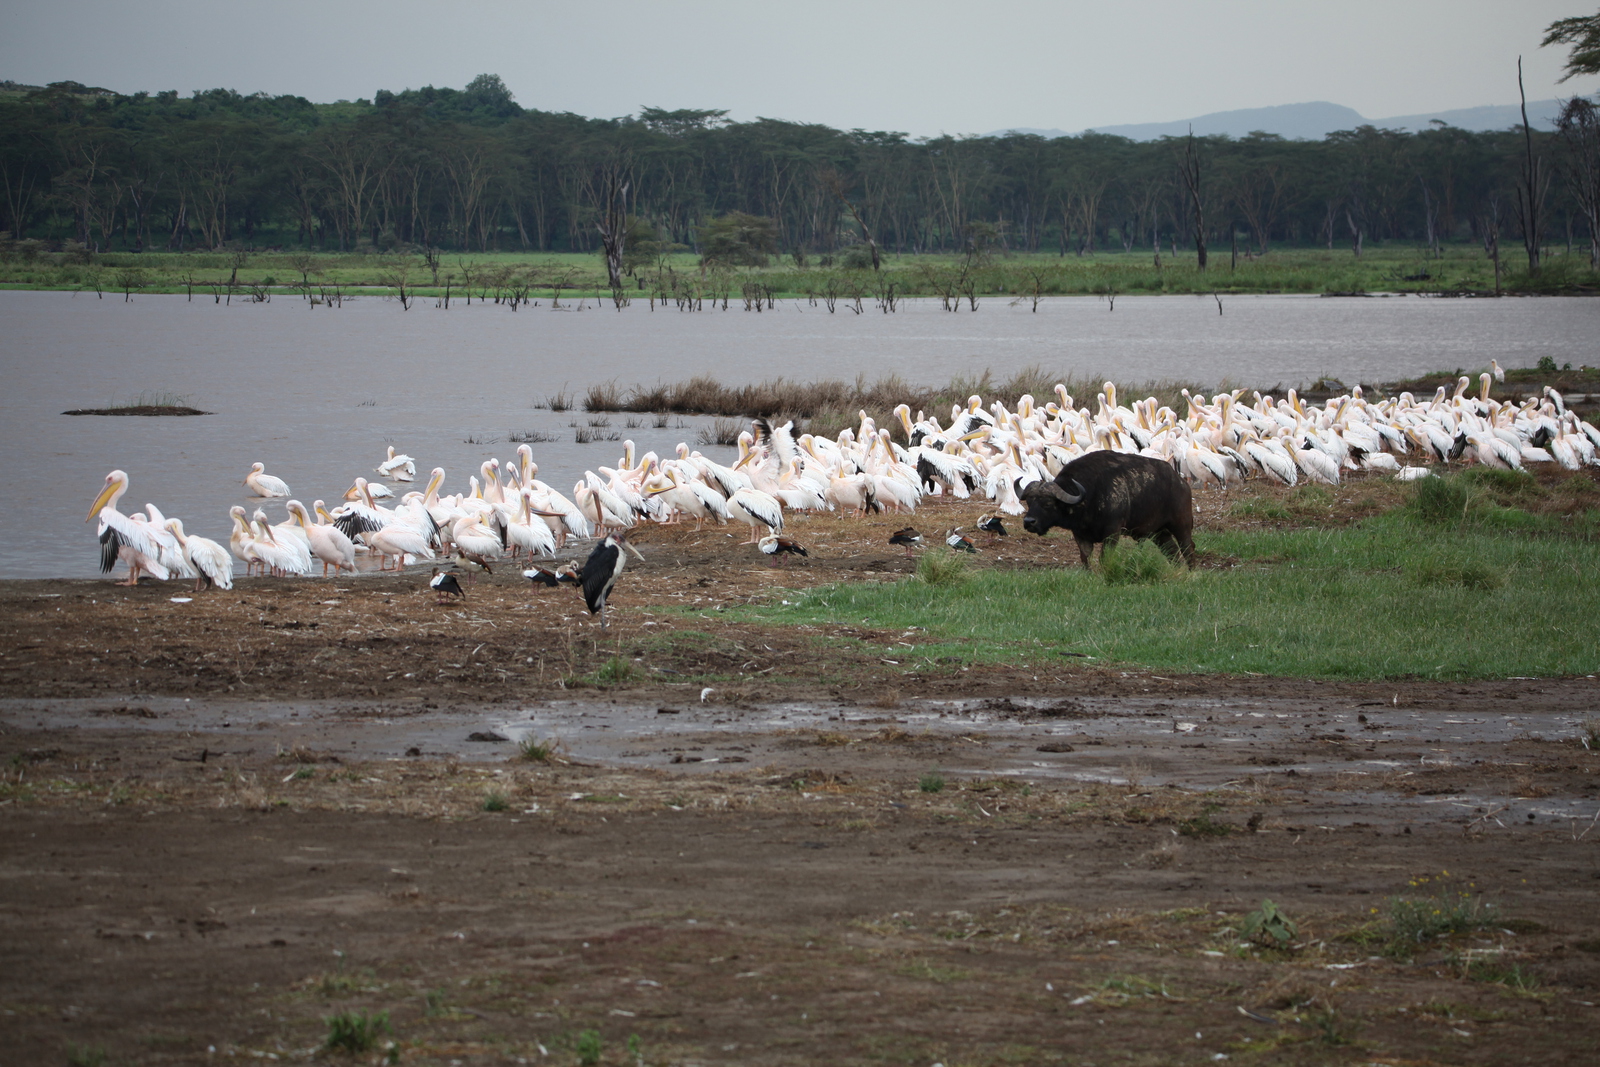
x,y
588,1047
932,782
495,801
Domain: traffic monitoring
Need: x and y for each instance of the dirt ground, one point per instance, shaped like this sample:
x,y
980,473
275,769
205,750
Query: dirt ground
x,y
226,821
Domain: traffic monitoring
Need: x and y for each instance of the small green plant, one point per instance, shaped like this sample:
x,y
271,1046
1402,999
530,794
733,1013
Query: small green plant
x,y
588,1047
1202,825
614,671
932,782
86,1056
495,800
1512,975
1269,926
1129,562
1121,988
433,1002
1330,1028
941,567
1547,365
636,1049
1414,921
302,773
349,1031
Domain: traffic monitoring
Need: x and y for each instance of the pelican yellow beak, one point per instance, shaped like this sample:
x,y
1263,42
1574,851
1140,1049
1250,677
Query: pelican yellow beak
x,y
976,435
101,500
353,493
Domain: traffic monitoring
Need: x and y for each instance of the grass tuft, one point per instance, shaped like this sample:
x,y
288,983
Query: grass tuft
x,y
941,567
932,782
495,800
1130,562
537,751
349,1031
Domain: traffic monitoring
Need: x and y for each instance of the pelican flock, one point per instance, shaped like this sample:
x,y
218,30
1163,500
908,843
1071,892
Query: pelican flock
x,y
994,452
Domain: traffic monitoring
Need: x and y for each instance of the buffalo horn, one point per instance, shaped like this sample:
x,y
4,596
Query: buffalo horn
x,y
1062,495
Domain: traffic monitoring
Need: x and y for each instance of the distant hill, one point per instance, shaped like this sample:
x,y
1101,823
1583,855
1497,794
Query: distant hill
x,y
1315,120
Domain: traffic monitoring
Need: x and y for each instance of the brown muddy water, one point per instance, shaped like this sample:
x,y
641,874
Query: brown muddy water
x,y
317,394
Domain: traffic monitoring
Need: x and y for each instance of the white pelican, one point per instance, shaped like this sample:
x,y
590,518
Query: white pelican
x,y
399,541
206,558
121,537
401,468
528,531
242,541
289,539
284,557
327,543
758,509
265,484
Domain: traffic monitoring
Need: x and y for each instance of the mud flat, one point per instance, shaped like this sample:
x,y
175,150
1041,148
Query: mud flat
x,y
223,822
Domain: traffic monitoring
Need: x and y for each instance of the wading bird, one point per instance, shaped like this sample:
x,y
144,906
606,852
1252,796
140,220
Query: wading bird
x,y
209,561
991,524
122,537
906,538
399,467
262,484
444,584
956,541
601,571
778,547
547,577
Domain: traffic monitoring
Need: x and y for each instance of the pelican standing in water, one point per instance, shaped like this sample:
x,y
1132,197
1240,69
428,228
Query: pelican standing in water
x,y
263,484
123,538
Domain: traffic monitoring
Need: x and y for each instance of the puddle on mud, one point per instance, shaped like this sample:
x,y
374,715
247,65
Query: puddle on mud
x,y
1170,743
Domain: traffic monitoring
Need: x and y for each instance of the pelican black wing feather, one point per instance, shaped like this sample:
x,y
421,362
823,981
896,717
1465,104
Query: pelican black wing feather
x,y
352,523
111,544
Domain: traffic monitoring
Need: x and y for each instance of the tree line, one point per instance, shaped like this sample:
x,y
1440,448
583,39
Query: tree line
x,y
471,170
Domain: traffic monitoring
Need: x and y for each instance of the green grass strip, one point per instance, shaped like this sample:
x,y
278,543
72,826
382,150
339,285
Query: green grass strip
x,y
1507,594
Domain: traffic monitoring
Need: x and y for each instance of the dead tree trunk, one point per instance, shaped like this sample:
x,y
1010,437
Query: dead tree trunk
x,y
1189,170
1531,188
613,224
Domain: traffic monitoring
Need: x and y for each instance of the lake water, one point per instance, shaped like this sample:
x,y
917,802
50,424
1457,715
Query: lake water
x,y
317,393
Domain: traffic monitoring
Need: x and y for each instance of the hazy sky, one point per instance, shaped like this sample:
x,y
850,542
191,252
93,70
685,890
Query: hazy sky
x,y
925,67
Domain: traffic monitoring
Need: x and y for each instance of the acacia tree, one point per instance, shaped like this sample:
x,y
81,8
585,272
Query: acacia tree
x,y
1583,34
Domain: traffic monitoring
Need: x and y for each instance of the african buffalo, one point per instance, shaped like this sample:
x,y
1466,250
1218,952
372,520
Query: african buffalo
x,y
1103,495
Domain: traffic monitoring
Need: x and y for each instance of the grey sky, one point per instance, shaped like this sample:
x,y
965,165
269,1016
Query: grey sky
x,y
955,66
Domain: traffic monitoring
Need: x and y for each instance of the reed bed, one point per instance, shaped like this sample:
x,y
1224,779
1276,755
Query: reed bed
x,y
831,405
